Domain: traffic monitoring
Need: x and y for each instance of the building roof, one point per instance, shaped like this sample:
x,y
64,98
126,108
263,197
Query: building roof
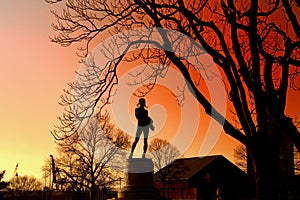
x,y
194,165
191,166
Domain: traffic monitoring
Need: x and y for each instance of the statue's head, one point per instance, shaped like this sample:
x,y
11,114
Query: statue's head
x,y
142,102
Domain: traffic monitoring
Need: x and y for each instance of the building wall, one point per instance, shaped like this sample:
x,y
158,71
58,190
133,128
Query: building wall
x,y
177,190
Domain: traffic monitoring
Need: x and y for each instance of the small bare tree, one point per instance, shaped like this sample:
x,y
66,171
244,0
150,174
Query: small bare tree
x,y
46,176
23,187
3,186
88,159
240,157
297,161
163,154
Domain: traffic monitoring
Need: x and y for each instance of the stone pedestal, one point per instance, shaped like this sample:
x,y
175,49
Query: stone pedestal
x,y
139,181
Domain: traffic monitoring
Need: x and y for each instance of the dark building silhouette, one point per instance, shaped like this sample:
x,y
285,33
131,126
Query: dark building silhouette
x,y
210,177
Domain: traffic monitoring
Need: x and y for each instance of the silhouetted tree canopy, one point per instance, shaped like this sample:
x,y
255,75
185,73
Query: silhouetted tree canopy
x,y
3,186
23,187
255,44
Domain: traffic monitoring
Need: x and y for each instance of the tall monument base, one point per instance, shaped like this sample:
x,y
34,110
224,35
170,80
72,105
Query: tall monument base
x,y
139,181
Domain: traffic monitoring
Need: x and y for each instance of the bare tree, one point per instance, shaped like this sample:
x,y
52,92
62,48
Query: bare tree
x,y
23,187
46,176
297,162
3,186
89,158
240,157
163,154
254,43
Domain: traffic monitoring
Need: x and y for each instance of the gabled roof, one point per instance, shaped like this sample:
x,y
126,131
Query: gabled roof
x,y
191,166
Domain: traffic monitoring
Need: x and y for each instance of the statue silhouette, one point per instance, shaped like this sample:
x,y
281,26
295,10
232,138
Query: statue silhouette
x,y
144,124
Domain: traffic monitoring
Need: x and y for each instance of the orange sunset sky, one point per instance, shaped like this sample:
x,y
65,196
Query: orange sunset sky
x,y
34,73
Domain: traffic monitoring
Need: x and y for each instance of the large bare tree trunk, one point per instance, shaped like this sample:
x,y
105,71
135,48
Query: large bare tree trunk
x,y
266,175
93,193
273,163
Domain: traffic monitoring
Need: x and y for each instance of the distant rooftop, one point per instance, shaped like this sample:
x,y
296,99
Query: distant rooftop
x,y
193,165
